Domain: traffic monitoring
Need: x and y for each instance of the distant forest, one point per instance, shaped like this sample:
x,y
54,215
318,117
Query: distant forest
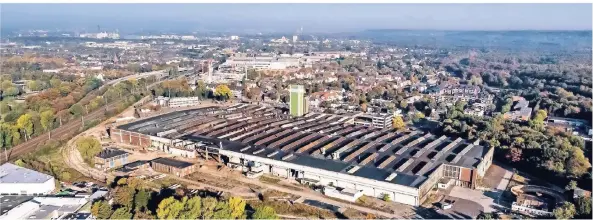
x,y
541,41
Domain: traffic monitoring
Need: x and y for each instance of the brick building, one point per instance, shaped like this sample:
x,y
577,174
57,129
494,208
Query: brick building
x,y
171,166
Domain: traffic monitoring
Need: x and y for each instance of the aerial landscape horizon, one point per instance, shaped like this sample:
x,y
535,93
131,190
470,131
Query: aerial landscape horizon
x,y
296,111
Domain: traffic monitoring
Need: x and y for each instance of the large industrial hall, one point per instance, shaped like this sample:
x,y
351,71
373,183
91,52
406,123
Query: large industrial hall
x,y
318,149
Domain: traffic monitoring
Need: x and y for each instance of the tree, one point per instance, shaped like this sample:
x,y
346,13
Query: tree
x,y
55,83
4,107
222,92
4,135
122,181
121,213
25,123
514,154
208,205
583,207
418,116
76,110
363,107
254,93
101,209
144,215
398,123
577,163
571,185
47,119
124,195
540,116
10,91
141,200
88,148
460,105
237,206
252,74
403,104
222,210
169,208
264,212
565,211
487,216
385,197
192,208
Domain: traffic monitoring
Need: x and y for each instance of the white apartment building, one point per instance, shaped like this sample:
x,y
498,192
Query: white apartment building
x,y
378,120
262,63
177,102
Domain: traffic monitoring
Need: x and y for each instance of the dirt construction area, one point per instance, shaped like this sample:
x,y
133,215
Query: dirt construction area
x,y
216,177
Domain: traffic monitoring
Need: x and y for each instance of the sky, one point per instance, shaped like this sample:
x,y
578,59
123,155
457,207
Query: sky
x,y
290,17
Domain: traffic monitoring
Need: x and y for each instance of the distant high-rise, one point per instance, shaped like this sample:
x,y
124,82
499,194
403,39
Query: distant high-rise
x,y
297,100
295,38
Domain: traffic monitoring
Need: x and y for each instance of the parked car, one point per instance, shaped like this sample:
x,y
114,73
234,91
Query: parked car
x,y
447,204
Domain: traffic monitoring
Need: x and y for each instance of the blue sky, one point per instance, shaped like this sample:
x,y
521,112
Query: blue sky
x,y
289,17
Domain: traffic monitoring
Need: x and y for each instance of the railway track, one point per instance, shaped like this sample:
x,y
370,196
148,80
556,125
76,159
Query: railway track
x,y
56,134
73,126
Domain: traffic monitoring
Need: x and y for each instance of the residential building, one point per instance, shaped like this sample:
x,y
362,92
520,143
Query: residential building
x,y
172,166
110,158
474,112
578,192
177,102
378,120
15,180
532,205
520,110
297,100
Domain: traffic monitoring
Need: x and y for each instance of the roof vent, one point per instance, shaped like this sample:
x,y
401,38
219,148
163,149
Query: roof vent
x,y
259,151
353,169
391,177
245,148
287,156
273,153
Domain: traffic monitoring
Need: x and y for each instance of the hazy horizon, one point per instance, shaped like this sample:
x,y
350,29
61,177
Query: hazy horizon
x,y
290,17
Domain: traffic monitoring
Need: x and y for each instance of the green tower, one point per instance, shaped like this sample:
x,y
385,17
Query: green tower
x,y
297,100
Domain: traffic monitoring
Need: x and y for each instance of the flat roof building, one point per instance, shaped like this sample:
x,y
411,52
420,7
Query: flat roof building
x,y
111,157
177,102
172,166
520,110
15,180
321,149
378,120
46,208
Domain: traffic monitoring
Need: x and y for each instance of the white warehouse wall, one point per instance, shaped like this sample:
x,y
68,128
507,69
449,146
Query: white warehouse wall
x,y
28,188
